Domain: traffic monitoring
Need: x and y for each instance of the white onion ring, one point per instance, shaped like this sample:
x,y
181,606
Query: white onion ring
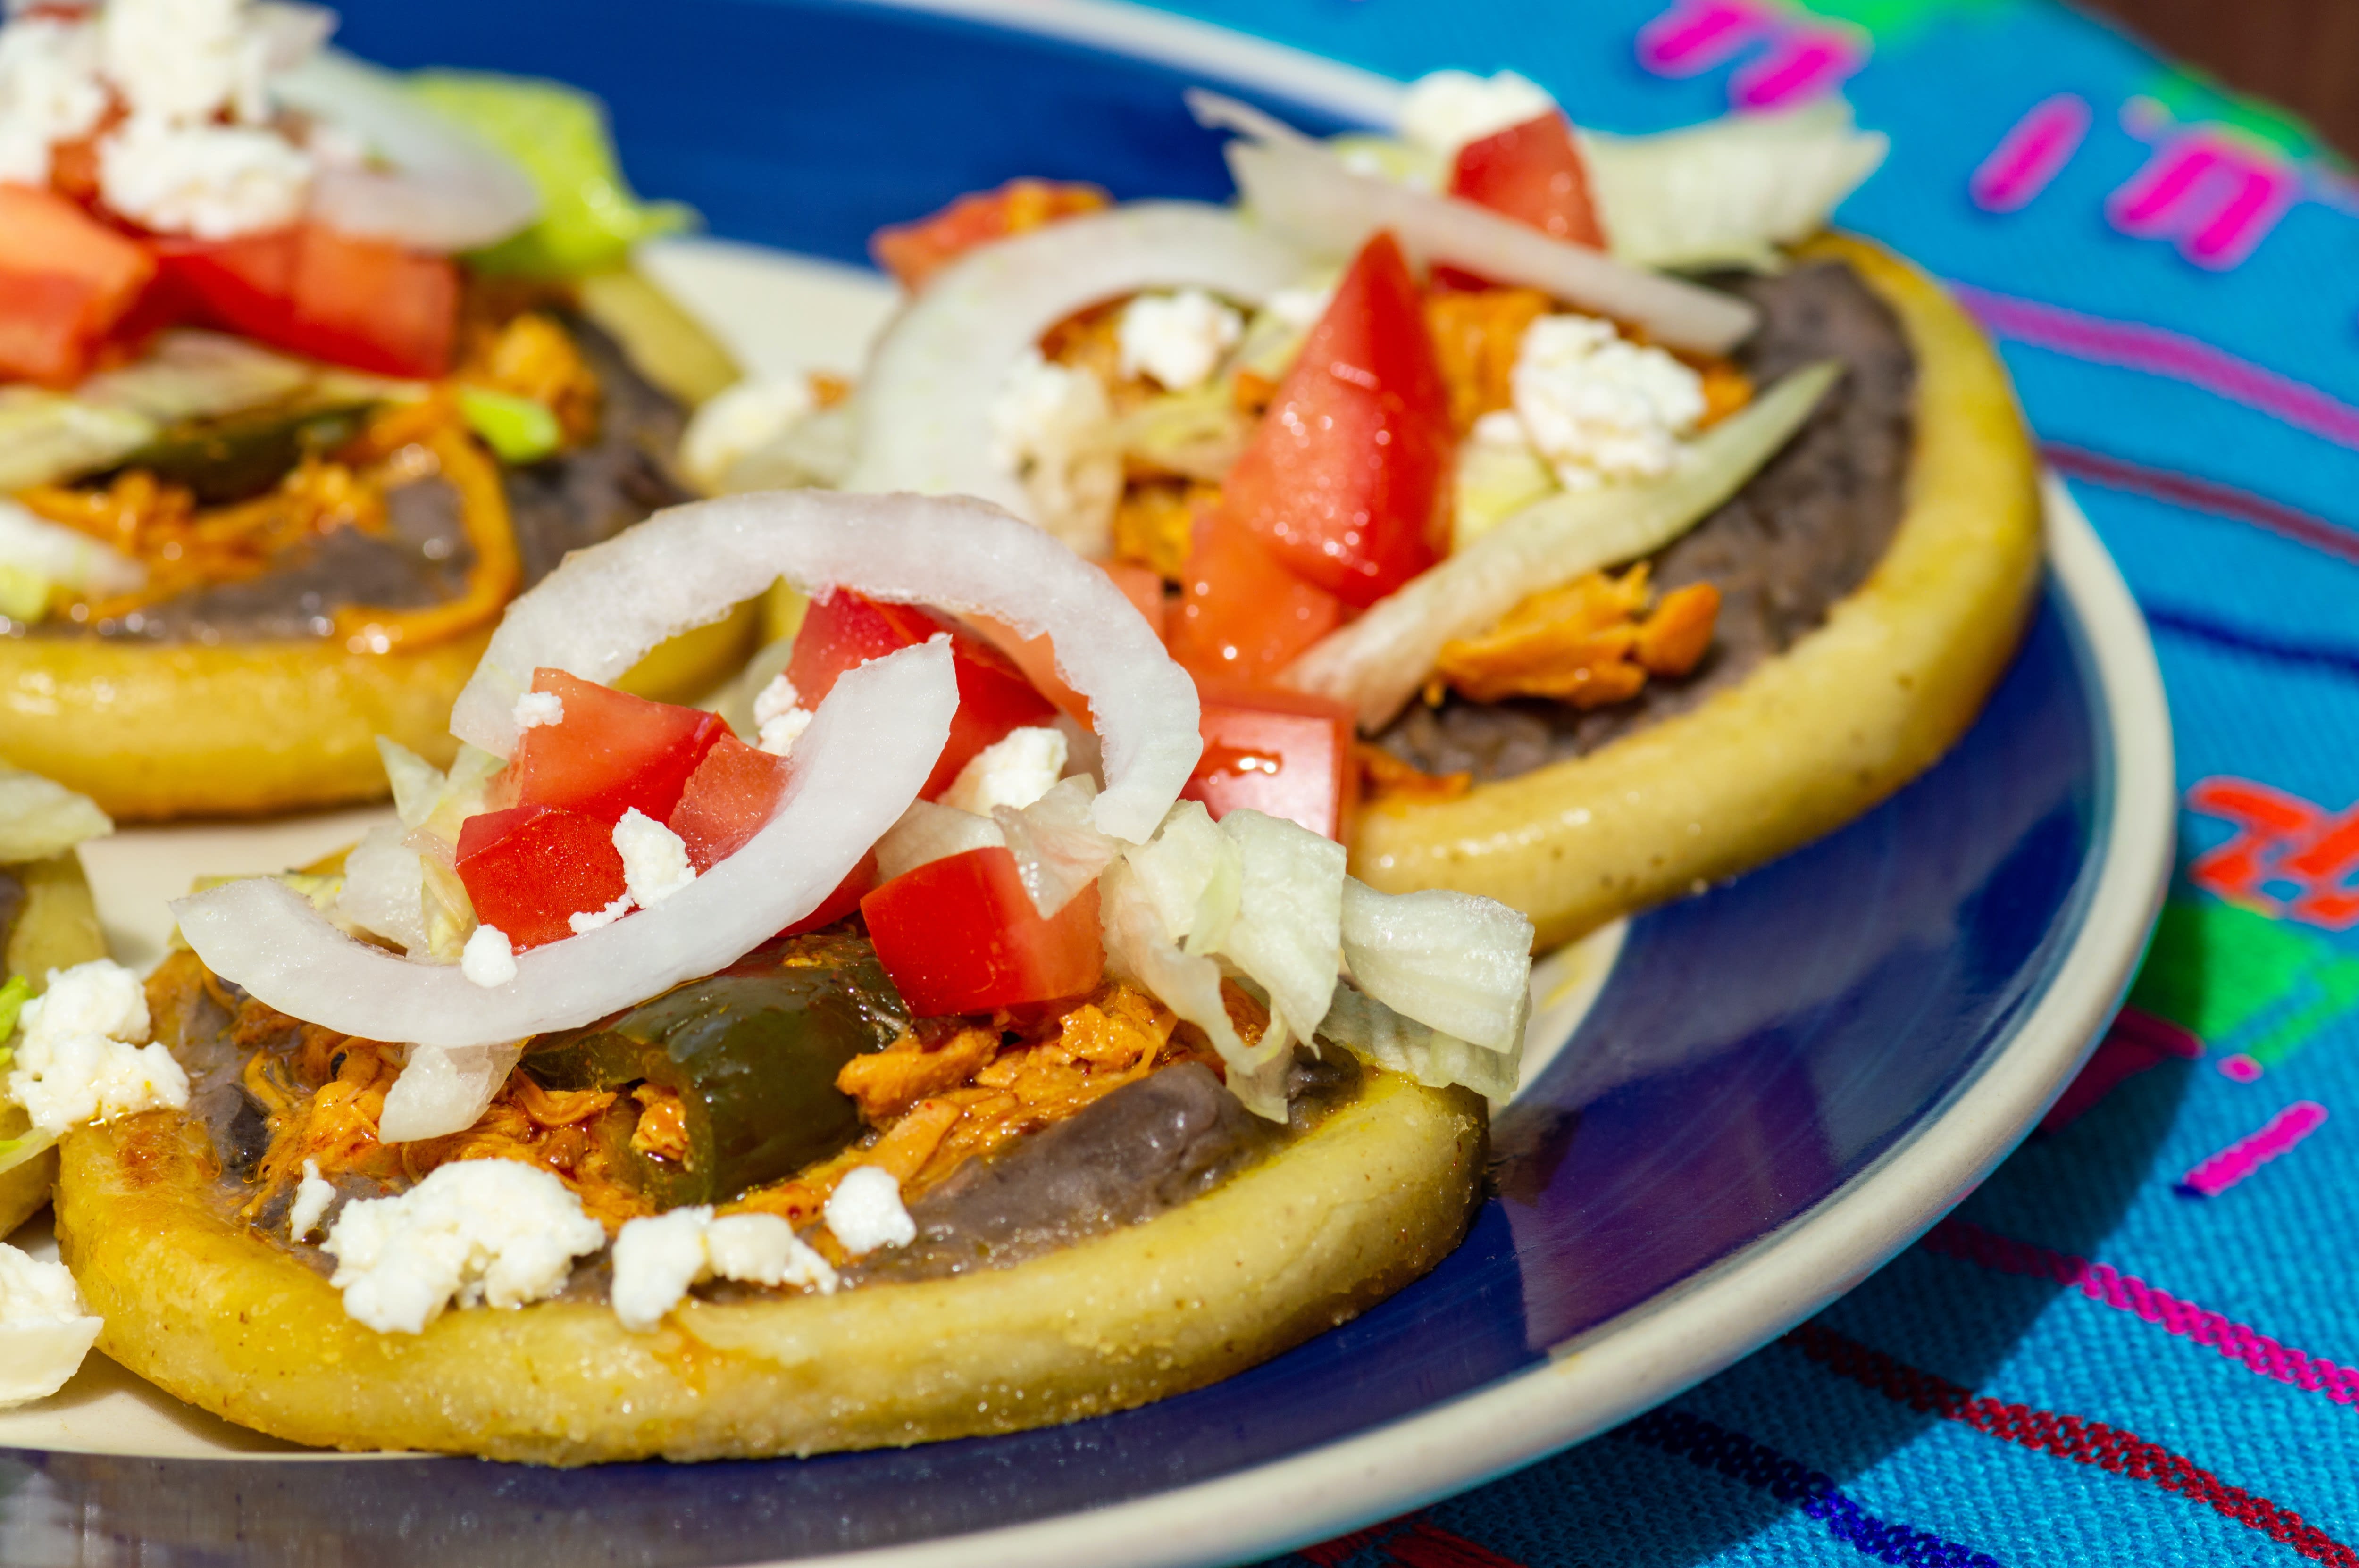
x,y
449,189
925,402
854,770
606,606
1302,191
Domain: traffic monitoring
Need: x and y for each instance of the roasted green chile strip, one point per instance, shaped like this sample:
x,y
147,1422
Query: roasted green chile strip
x,y
244,455
752,1054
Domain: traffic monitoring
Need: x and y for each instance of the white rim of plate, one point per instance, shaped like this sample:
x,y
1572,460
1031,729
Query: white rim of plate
x,y
1655,1351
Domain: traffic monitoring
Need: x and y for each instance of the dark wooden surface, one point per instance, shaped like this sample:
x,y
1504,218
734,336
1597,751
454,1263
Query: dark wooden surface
x,y
2303,54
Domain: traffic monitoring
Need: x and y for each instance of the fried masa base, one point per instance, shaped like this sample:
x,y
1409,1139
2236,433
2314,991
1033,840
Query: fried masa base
x,y
206,1309
248,728
57,929
243,729
1814,736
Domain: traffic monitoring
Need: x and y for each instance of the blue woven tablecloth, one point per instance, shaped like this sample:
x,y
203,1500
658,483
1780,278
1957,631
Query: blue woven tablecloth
x,y
2137,1343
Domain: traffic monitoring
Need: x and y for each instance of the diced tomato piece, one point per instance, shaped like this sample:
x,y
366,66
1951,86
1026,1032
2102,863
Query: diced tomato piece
x,y
1242,615
529,867
857,884
364,303
1284,753
1346,479
915,252
65,280
727,800
960,935
846,630
612,753
1533,174
1036,656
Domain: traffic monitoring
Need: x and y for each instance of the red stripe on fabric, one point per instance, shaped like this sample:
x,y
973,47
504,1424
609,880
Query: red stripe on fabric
x,y
2134,345
1430,1546
2203,495
1328,1553
2102,1282
2069,1437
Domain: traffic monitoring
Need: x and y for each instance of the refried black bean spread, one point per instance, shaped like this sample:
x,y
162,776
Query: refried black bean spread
x,y
1146,1147
1803,532
576,498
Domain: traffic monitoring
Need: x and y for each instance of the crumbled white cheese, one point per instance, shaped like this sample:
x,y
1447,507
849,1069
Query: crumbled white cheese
x,y
1299,308
655,1260
534,710
81,1058
1598,408
45,1329
1444,110
50,92
776,699
1014,771
658,1260
780,717
589,920
489,958
474,1232
62,555
1176,339
212,181
763,1250
313,1199
1052,426
655,860
738,423
780,734
184,61
864,1212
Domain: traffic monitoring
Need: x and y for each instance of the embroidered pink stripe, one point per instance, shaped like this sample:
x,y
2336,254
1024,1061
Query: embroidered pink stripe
x,y
2133,345
2102,1282
2242,1158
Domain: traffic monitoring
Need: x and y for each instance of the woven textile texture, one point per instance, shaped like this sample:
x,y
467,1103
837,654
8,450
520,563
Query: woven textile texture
x,y
2137,1343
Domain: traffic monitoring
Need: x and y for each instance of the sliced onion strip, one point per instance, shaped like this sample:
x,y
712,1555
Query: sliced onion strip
x,y
448,189
1303,192
858,766
605,607
1378,662
925,402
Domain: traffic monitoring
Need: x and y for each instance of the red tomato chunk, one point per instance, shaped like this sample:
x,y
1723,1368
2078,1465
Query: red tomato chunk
x,y
846,630
613,752
1533,174
529,867
1241,614
960,935
310,290
729,799
913,252
1283,753
1345,482
65,280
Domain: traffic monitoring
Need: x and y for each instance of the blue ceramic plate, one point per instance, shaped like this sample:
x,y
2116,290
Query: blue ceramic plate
x,y
1782,1082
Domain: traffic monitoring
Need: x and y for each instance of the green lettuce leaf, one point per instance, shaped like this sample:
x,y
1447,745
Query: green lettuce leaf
x,y
591,218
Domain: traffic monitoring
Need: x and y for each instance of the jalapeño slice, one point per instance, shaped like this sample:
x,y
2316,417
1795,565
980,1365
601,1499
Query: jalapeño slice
x,y
751,1052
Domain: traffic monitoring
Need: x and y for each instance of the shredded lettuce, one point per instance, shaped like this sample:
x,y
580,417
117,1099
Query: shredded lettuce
x,y
12,997
589,218
39,817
